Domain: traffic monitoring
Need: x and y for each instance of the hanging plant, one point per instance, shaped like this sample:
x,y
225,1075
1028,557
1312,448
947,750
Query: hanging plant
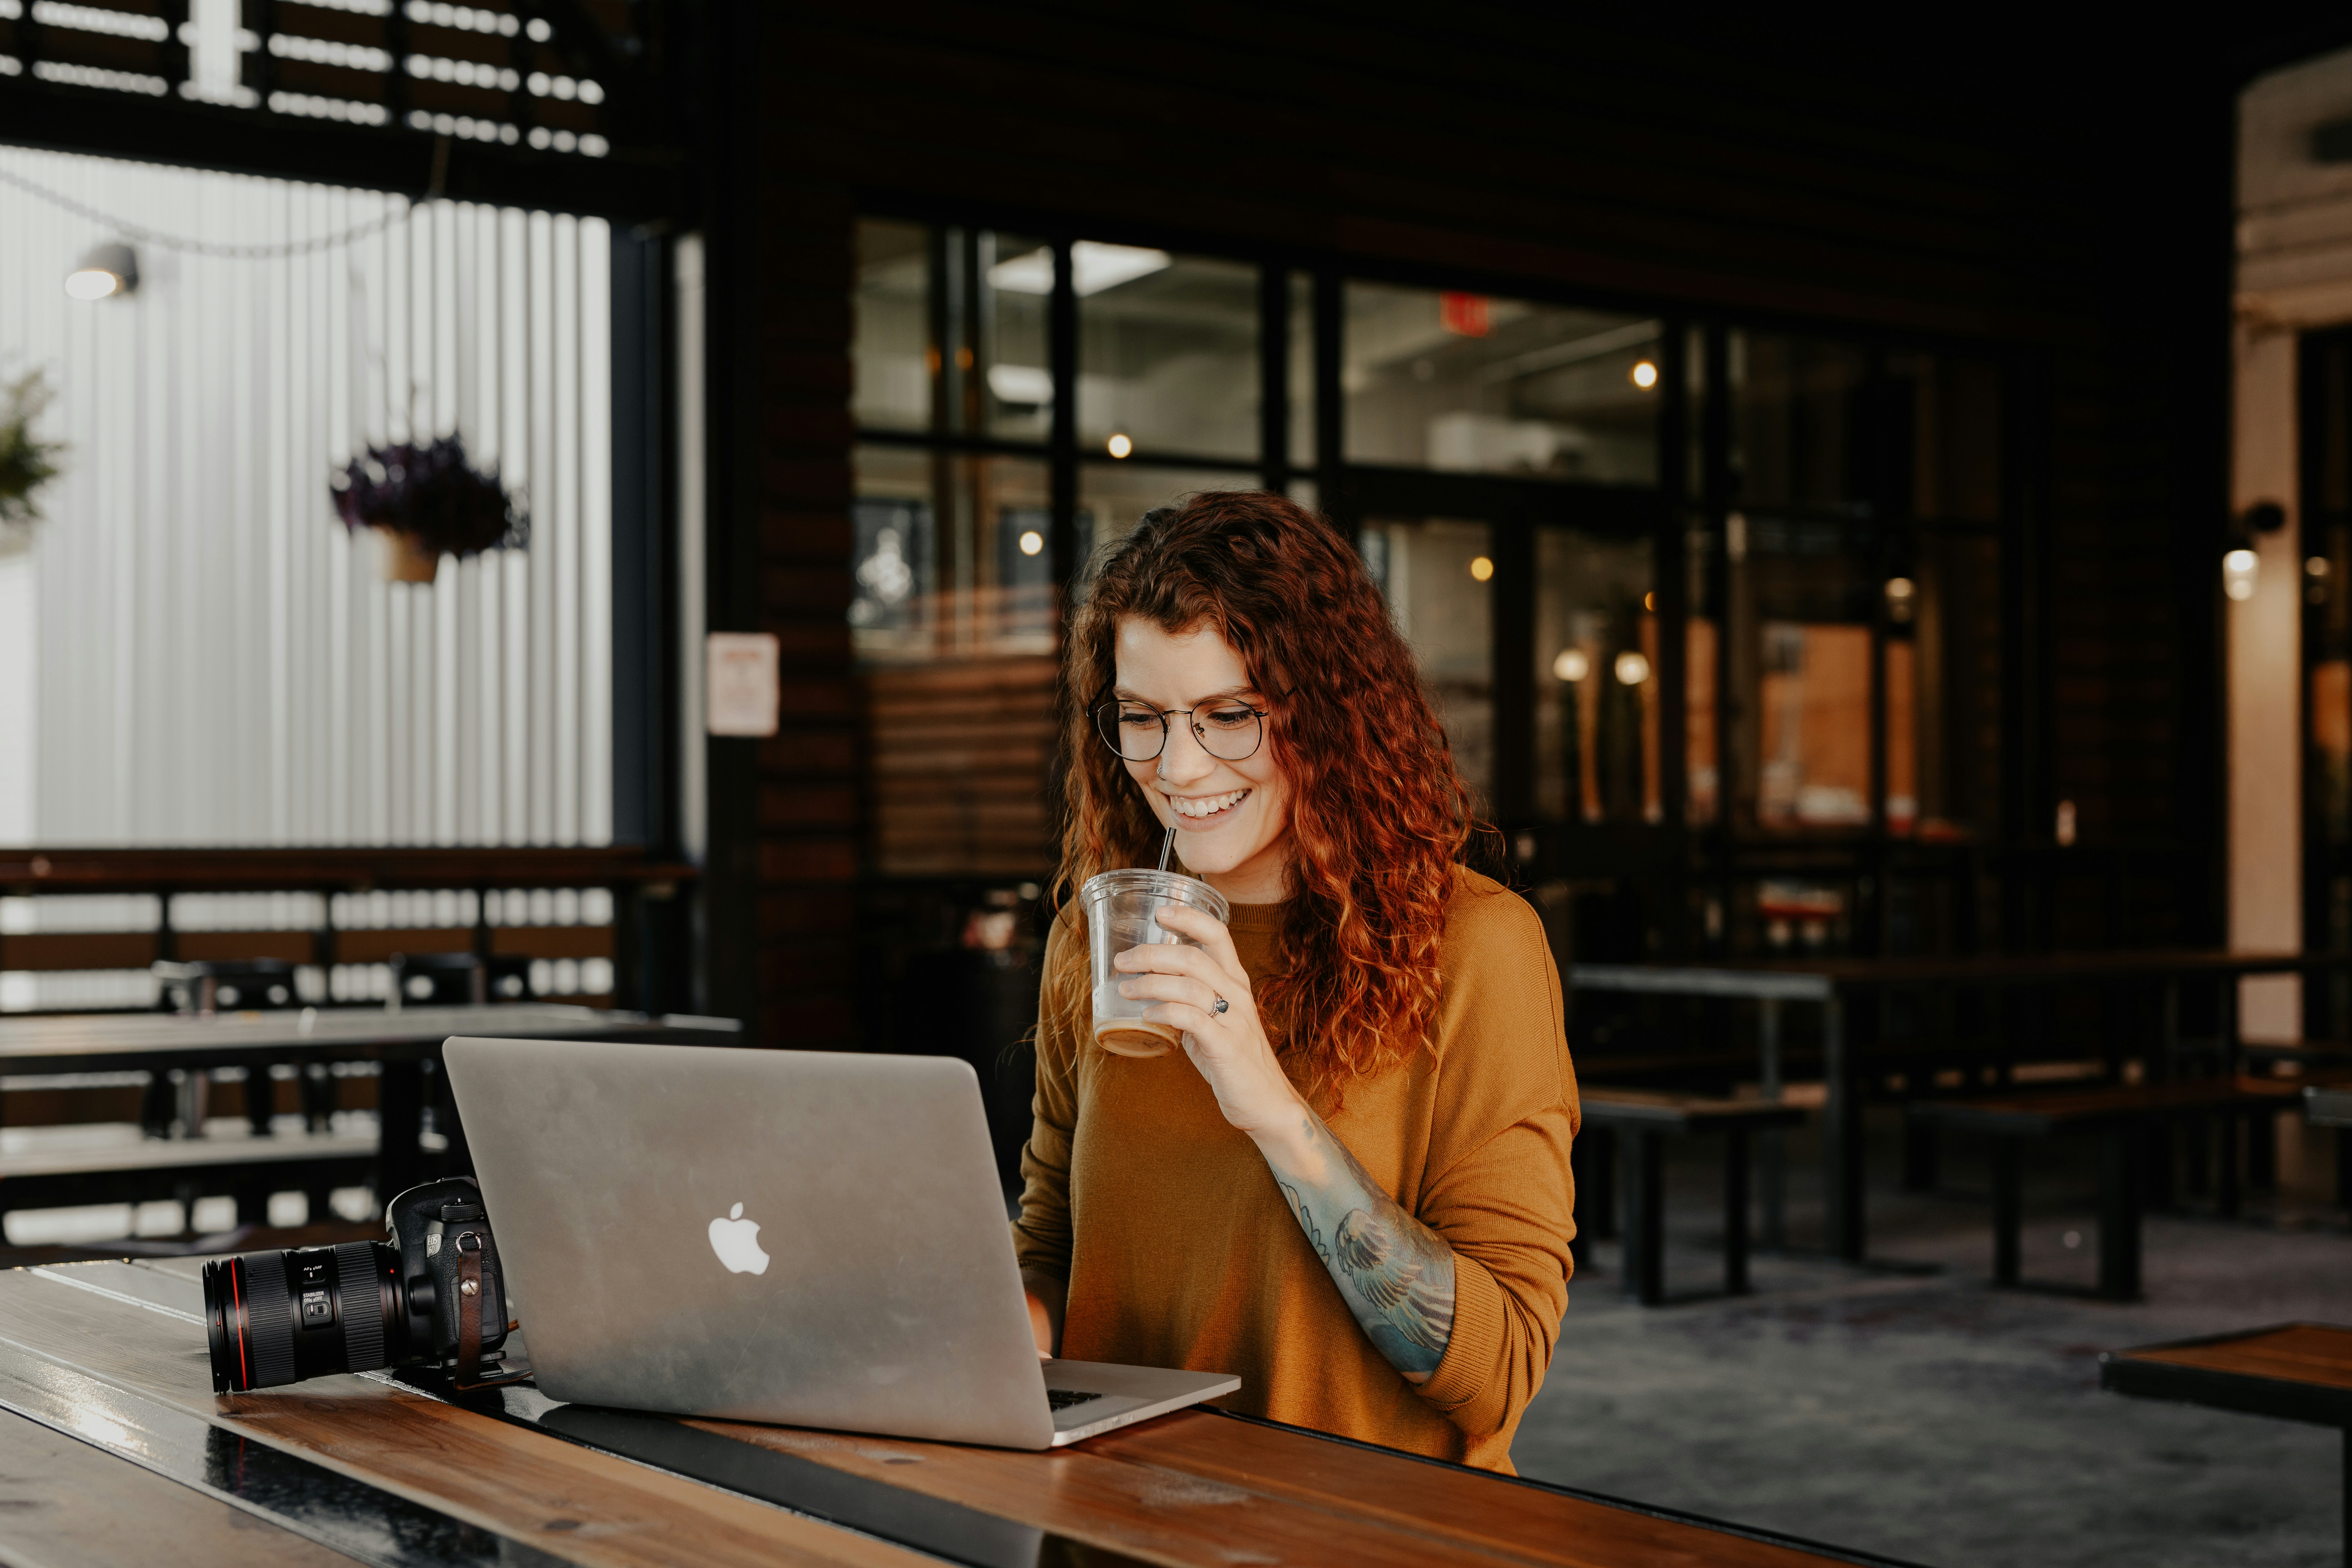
x,y
26,464
426,502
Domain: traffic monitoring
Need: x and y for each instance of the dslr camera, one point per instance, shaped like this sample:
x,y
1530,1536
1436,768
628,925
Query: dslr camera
x,y
432,1296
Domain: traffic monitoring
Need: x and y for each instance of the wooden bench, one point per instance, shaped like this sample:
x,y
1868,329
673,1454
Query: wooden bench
x,y
1638,1122
246,1169
2120,1114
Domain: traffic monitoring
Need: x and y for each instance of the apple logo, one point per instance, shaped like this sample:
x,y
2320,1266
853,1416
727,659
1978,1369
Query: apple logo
x,y
737,1242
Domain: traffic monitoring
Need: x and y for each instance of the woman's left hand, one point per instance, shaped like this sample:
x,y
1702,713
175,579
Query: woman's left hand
x,y
1229,1049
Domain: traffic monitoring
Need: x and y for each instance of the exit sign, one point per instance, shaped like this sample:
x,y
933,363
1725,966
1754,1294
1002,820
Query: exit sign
x,y
1465,315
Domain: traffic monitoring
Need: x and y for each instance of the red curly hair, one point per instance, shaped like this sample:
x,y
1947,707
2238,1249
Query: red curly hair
x,y
1378,815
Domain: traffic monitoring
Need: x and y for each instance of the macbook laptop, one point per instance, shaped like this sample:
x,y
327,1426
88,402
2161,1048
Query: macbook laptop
x,y
805,1237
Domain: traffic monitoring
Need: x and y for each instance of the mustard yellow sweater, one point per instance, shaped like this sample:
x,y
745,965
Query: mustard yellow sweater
x,y
1180,1252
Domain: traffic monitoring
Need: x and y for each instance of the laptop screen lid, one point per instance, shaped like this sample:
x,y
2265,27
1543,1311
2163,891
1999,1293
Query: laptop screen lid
x,y
799,1236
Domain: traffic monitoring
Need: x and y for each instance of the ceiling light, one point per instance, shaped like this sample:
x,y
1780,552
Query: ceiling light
x,y
1094,267
1632,669
1032,541
1646,374
1571,666
1119,446
109,269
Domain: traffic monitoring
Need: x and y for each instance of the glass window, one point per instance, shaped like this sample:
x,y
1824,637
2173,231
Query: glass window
x,y
951,331
1480,385
952,555
1438,576
1796,403
1113,496
1004,386
1167,352
1800,619
1951,410
1943,688
1596,680
891,346
953,626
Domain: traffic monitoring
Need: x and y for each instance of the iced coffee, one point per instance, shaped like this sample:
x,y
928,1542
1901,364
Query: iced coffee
x,y
1122,910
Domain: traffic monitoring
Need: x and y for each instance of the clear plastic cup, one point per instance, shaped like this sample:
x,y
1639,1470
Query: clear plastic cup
x,y
1122,911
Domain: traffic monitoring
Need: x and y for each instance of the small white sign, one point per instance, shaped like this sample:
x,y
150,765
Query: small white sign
x,y
745,690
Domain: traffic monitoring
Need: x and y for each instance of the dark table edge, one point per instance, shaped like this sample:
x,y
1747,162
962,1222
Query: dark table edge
x,y
2130,1374
1603,1499
892,1523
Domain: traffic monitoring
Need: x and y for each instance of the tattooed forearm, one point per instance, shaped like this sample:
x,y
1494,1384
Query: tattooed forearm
x,y
1394,1272
1307,1221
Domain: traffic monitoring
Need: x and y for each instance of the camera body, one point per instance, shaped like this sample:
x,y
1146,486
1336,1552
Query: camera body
x,y
433,1295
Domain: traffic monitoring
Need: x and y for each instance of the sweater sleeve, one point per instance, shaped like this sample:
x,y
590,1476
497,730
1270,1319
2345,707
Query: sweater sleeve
x,y
1498,1187
1041,1236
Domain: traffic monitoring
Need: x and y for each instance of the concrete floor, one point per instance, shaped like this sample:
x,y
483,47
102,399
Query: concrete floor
x,y
1915,1410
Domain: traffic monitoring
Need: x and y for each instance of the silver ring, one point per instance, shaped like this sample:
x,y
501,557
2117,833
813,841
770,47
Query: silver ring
x,y
1222,1006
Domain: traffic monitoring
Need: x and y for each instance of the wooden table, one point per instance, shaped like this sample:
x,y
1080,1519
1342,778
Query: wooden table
x,y
401,1040
2297,1372
1832,982
109,1412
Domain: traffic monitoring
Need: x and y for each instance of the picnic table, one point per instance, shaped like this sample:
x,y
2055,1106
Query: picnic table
x,y
107,1409
1832,984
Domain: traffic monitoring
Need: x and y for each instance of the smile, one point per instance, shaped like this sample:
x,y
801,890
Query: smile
x,y
1203,807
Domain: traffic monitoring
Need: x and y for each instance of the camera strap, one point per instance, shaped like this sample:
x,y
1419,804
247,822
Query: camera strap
x,y
469,1306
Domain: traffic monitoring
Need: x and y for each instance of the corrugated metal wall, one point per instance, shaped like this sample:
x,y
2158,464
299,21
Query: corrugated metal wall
x,y
213,659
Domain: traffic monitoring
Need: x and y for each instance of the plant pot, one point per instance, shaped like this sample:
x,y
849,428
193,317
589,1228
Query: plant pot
x,y
407,558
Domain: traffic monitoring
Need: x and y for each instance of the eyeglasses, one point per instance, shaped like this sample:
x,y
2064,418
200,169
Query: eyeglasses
x,y
1228,729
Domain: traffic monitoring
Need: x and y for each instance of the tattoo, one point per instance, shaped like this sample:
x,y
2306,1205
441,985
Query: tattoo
x,y
1307,1222
1394,1272
1393,1278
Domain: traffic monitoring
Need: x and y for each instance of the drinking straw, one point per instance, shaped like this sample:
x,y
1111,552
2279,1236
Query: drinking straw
x,y
1166,845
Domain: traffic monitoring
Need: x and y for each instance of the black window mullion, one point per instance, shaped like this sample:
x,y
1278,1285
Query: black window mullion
x,y
1715,485
1329,318
1671,579
1062,334
1512,542
1274,375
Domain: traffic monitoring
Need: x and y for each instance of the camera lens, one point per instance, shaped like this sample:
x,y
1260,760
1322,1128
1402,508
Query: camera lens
x,y
275,1318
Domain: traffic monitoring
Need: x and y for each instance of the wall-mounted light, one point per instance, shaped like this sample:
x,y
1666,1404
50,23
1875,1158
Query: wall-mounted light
x,y
1571,666
1646,374
1632,669
1902,600
2241,567
108,269
1481,567
2239,571
1119,446
1032,541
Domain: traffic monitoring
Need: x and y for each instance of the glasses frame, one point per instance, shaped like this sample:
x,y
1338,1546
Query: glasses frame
x,y
1094,714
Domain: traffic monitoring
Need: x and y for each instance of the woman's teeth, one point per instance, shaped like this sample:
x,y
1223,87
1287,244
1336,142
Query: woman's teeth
x,y
1205,805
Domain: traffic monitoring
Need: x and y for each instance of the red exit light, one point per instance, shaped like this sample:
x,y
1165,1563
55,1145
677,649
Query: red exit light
x,y
1465,315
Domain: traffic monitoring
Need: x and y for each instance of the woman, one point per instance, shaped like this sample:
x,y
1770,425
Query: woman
x,y
1352,1187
